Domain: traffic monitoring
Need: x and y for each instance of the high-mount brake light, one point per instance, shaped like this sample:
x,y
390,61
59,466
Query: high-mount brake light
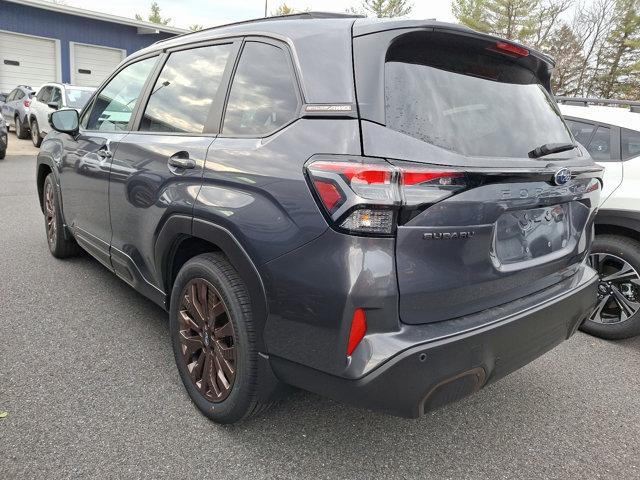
x,y
365,196
511,49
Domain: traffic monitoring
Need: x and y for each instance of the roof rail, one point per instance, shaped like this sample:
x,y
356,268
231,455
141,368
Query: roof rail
x,y
292,16
584,101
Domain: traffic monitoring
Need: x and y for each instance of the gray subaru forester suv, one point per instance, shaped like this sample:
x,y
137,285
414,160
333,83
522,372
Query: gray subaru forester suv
x,y
388,213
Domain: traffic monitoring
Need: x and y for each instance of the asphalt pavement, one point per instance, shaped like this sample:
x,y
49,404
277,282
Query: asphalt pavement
x,y
88,380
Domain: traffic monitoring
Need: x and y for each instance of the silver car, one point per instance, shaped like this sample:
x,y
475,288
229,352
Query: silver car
x,y
15,110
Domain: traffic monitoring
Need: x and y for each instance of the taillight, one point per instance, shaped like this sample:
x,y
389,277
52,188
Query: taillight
x,y
364,196
26,103
510,49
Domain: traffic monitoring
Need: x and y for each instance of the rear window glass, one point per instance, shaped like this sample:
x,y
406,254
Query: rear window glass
x,y
600,145
263,94
581,131
630,144
475,103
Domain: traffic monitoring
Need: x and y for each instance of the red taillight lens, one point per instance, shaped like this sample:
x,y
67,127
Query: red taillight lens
x,y
358,330
511,49
329,194
26,103
364,197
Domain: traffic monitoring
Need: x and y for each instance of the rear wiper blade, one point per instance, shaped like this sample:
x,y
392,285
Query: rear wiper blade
x,y
549,148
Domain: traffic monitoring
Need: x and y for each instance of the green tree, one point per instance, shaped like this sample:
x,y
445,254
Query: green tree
x,y
472,13
385,8
565,47
195,27
620,67
154,15
283,9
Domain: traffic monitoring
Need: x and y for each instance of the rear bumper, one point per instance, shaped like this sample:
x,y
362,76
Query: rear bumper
x,y
435,373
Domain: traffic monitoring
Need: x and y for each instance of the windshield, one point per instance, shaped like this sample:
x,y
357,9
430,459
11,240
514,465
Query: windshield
x,y
77,98
470,103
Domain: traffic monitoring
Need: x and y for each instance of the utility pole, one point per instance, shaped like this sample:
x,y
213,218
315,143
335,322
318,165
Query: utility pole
x,y
265,7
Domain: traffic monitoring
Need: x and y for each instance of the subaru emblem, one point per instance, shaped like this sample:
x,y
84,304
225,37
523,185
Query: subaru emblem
x,y
562,176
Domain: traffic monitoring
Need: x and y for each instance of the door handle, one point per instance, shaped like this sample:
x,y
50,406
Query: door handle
x,y
181,160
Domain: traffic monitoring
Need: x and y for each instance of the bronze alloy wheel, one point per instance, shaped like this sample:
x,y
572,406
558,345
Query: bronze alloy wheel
x,y
207,340
50,212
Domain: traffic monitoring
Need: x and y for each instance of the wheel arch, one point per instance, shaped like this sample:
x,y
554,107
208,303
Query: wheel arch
x,y
182,238
43,170
618,222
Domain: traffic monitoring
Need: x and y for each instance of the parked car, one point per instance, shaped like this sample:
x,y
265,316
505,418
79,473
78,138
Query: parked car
x,y
15,110
3,98
51,97
611,134
4,140
390,213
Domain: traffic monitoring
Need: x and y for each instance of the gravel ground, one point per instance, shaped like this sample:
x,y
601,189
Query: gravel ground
x,y
88,378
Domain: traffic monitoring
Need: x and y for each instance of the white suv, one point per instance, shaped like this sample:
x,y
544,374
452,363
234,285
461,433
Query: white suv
x,y
611,134
51,97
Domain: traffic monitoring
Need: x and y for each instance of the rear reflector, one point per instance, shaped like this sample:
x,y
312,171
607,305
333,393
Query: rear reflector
x,y
512,49
329,194
358,330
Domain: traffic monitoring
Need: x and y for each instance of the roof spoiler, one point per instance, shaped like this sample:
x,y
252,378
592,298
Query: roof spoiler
x,y
585,101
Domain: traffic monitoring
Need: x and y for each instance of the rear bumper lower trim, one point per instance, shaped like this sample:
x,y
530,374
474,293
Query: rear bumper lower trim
x,y
439,372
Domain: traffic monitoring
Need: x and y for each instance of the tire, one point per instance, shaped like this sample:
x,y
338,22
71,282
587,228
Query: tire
x,y
3,153
21,132
36,138
61,243
224,289
608,253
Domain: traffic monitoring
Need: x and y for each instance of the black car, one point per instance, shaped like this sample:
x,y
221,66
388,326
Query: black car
x,y
389,213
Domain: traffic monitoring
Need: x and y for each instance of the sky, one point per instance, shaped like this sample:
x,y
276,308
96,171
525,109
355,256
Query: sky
x,y
215,12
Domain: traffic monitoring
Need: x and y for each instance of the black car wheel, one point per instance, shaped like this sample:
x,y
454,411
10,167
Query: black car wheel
x,y
3,154
617,313
61,243
36,138
214,340
21,132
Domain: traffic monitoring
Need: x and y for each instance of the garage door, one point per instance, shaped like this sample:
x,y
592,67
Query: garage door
x,y
26,60
91,64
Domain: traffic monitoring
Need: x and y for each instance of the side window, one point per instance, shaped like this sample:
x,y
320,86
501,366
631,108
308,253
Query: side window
x,y
182,96
263,95
19,95
113,106
600,145
581,131
630,143
12,96
56,96
44,95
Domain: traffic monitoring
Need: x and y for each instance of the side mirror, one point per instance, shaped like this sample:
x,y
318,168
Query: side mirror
x,y
65,121
54,105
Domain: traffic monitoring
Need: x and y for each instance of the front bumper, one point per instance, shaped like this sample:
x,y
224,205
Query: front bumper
x,y
438,372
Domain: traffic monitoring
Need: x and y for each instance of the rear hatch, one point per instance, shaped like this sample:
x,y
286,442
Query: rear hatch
x,y
499,219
